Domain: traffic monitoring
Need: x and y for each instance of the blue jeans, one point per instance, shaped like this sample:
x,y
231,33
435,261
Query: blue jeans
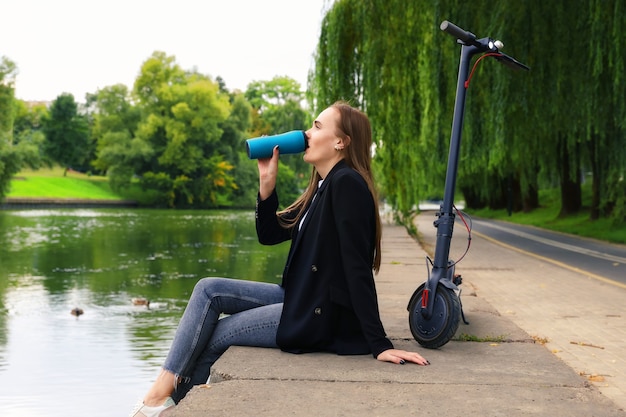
x,y
252,312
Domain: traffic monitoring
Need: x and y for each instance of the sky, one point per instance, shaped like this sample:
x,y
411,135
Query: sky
x,y
80,46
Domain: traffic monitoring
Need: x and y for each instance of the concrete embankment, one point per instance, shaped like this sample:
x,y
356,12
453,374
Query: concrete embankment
x,y
502,371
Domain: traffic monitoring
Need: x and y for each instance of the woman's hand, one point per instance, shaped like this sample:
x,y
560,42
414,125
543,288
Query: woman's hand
x,y
401,357
268,170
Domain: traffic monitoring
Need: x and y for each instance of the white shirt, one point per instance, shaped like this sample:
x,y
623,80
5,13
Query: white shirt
x,y
319,184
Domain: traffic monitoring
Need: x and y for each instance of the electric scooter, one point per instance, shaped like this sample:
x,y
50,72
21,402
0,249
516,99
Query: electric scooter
x,y
435,307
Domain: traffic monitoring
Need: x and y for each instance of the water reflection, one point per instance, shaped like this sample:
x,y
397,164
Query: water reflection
x,y
51,261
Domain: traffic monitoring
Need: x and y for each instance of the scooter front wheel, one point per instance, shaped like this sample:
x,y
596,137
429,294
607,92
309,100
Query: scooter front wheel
x,y
437,330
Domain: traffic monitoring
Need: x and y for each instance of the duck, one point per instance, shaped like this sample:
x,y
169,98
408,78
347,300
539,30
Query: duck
x,y
139,301
77,311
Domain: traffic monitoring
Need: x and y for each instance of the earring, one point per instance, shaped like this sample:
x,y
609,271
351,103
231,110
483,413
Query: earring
x,y
337,148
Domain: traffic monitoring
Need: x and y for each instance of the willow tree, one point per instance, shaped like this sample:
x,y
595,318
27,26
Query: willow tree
x,y
522,131
373,54
563,118
491,171
391,96
574,100
391,58
602,61
338,68
558,84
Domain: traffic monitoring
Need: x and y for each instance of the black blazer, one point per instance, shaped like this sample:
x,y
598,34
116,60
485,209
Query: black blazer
x,y
330,298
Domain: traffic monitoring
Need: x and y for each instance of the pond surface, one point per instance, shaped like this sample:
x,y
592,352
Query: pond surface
x,y
100,363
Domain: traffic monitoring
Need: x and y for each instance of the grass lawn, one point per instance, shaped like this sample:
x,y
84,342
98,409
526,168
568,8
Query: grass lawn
x,y
547,217
52,183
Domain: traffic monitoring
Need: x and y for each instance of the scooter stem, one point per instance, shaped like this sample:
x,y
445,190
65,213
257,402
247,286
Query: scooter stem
x,y
445,221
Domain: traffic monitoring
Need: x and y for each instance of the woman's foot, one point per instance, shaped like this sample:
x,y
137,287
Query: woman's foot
x,y
142,410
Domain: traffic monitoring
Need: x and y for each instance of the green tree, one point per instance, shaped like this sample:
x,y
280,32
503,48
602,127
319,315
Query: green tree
x,y
235,132
375,55
277,108
604,104
114,123
67,134
521,131
566,116
28,132
8,72
14,154
9,164
181,117
235,128
28,118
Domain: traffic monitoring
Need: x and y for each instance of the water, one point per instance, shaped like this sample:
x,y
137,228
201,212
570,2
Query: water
x,y
100,363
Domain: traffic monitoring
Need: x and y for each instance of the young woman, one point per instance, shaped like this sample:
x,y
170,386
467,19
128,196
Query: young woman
x,y
327,300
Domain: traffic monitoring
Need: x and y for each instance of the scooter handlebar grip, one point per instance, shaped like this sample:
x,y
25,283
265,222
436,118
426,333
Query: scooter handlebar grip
x,y
457,32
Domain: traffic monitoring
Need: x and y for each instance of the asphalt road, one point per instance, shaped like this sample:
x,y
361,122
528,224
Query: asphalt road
x,y
599,260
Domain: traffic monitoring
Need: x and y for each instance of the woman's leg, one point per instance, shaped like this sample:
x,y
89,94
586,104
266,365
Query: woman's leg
x,y
210,298
255,327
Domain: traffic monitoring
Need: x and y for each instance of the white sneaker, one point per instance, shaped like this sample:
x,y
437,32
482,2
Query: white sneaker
x,y
142,410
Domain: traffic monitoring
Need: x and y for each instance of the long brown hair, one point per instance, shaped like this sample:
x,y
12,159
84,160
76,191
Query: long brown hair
x,y
354,125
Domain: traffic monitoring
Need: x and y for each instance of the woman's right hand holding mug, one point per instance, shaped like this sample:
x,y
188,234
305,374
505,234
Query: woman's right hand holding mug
x,y
268,171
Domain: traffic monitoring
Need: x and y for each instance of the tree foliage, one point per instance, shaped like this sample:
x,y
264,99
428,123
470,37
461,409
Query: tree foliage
x,y
181,135
277,108
522,131
181,117
8,71
19,146
67,134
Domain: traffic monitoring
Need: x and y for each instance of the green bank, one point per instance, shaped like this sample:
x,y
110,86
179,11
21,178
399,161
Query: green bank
x,y
60,184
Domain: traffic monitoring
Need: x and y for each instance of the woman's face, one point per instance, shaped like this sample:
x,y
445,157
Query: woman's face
x,y
322,139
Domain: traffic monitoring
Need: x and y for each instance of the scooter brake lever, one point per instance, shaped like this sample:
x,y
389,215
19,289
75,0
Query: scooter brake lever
x,y
511,62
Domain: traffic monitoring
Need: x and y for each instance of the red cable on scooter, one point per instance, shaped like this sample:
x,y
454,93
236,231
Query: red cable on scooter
x,y
476,64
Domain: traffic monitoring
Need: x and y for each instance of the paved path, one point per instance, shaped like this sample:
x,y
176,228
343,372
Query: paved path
x,y
597,259
582,318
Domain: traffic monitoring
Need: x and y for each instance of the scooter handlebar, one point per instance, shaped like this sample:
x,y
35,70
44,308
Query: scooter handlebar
x,y
457,32
484,45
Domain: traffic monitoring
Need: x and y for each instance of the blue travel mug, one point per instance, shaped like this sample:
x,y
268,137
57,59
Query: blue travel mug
x,y
263,147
